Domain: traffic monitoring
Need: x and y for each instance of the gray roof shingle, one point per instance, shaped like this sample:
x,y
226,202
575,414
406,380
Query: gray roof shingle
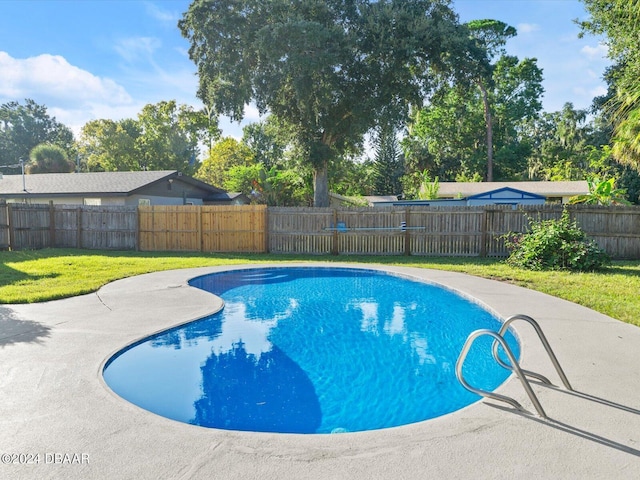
x,y
106,183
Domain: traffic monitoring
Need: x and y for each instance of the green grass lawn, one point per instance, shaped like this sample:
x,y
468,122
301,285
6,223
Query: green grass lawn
x,y
37,276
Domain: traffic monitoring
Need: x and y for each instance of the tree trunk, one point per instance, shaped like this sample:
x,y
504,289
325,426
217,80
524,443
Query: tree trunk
x,y
488,120
321,186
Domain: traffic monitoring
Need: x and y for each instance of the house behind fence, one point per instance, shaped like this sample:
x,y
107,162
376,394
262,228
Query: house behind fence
x,y
439,231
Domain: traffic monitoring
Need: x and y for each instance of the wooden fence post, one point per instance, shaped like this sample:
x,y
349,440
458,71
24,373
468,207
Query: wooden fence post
x,y
266,228
79,227
200,239
12,232
138,227
483,232
334,247
52,225
407,232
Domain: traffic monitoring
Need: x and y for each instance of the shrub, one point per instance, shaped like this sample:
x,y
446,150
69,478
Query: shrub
x,y
555,245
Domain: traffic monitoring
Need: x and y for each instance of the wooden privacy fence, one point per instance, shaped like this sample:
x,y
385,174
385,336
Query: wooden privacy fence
x,y
72,226
441,231
203,228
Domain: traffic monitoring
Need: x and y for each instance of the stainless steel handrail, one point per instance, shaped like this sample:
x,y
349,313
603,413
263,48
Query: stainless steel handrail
x,y
545,343
497,337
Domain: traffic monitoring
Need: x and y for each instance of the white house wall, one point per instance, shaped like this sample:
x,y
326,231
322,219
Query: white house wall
x,y
156,200
133,200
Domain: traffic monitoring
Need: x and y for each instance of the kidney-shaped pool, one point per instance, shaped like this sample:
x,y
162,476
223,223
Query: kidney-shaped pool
x,y
312,350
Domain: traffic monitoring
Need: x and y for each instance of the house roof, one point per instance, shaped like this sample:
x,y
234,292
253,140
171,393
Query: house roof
x,y
380,198
93,183
507,192
546,189
227,197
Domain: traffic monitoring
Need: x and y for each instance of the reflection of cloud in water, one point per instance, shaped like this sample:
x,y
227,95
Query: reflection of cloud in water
x,y
419,345
237,328
369,316
393,324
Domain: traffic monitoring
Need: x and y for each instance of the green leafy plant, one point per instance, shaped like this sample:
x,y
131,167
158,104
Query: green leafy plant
x,y
602,193
428,189
555,245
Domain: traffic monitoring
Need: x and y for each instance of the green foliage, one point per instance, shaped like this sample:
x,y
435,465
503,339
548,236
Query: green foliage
x,y
618,20
108,145
225,154
274,187
23,127
428,189
602,192
562,147
284,188
554,245
243,178
49,159
388,163
164,136
491,35
452,134
331,70
268,141
353,178
169,135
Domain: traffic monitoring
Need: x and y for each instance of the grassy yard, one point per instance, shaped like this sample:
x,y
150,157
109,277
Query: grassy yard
x,y
37,276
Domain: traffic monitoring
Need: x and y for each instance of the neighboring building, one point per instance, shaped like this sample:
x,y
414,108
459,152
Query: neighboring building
x,y
505,196
553,192
337,200
165,187
494,193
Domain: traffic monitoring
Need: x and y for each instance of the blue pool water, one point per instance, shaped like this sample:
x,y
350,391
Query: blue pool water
x,y
312,350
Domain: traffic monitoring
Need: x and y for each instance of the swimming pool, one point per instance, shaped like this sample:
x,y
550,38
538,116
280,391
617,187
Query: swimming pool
x,y
312,350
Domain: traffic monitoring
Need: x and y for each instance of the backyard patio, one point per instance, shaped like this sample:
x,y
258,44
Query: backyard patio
x,y
60,420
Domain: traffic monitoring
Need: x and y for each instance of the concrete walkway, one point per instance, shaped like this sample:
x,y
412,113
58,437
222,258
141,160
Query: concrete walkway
x,y
59,420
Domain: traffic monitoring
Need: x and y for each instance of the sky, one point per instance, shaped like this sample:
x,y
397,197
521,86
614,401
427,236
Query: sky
x,y
106,59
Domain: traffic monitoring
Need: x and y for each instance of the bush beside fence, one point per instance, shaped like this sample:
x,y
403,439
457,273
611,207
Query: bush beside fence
x,y
440,231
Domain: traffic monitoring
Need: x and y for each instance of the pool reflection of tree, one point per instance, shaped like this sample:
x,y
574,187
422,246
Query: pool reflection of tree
x,y
267,393
208,328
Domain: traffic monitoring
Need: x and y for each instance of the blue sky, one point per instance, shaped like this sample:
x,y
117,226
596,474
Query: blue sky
x,y
89,59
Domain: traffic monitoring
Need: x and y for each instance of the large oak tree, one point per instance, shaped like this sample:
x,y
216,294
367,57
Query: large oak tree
x,y
331,69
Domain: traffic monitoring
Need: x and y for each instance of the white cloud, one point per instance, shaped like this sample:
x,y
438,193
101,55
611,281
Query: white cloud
x,y
524,28
52,77
598,91
161,14
72,95
135,48
595,53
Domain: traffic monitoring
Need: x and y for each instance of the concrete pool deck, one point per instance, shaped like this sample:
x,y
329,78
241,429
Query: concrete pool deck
x,y
59,420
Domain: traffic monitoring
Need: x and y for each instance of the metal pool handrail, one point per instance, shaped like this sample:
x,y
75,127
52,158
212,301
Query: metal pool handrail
x,y
498,339
545,343
516,369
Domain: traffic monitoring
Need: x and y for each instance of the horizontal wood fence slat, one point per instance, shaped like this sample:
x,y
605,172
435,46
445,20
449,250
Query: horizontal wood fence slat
x,y
428,231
